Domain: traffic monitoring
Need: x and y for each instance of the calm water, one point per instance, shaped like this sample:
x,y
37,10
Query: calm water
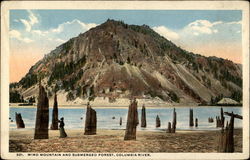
x,y
72,117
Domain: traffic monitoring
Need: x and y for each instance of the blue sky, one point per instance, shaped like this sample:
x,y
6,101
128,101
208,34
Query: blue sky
x,y
207,32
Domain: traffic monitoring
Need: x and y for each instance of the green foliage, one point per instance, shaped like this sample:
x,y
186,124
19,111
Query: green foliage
x,y
13,85
32,100
236,95
226,75
61,70
79,91
91,93
174,97
29,80
15,97
68,45
128,60
70,96
216,99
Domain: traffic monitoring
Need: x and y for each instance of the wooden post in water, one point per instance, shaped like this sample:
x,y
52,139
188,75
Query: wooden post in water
x,y
132,121
196,122
90,121
230,135
120,121
174,122
226,138
222,118
42,115
54,125
19,121
158,121
217,121
143,117
191,118
169,127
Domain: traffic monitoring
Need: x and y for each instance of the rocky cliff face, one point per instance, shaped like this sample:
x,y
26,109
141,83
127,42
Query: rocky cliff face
x,y
118,60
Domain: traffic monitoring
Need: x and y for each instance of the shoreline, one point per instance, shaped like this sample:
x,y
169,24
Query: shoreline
x,y
113,141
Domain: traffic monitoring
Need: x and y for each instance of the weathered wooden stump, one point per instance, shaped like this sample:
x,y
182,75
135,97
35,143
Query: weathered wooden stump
x,y
143,117
226,138
132,121
90,121
196,122
174,122
169,127
210,120
54,125
42,115
158,121
120,121
19,121
191,118
222,118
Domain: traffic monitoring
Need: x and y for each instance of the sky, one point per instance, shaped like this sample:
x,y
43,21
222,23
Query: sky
x,y
34,33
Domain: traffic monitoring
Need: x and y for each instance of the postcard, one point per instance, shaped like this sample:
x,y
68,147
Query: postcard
x,y
125,80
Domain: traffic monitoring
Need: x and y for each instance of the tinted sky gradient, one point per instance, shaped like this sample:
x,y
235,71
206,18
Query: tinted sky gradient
x,y
34,33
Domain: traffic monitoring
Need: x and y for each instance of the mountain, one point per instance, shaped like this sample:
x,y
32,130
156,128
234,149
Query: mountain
x,y
117,60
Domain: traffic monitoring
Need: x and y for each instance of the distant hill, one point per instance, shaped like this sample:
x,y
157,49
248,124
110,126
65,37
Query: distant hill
x,y
116,60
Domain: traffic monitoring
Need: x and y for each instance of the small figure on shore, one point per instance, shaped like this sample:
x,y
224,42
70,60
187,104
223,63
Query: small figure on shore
x,y
113,117
62,131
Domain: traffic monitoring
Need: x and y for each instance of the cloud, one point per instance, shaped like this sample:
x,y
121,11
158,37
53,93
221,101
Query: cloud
x,y
235,22
17,35
74,24
40,33
32,19
202,27
57,40
167,33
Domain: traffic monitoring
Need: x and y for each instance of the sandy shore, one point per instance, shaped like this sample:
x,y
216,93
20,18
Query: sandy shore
x,y
112,141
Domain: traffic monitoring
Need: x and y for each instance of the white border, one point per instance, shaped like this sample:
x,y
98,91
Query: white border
x,y
129,5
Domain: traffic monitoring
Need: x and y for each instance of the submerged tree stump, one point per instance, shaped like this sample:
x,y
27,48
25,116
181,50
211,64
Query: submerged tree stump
x,y
210,120
132,121
169,127
222,118
226,138
19,121
42,115
191,118
196,122
90,121
54,125
120,121
143,117
174,122
158,121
